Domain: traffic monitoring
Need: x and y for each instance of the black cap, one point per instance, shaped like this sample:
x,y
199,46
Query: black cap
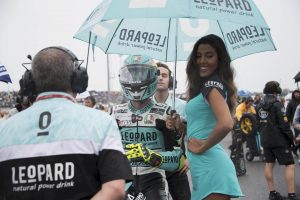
x,y
272,87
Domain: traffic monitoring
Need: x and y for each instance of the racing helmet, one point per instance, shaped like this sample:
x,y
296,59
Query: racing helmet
x,y
138,77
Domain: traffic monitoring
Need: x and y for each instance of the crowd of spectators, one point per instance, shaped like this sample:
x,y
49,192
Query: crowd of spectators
x,y
8,99
105,97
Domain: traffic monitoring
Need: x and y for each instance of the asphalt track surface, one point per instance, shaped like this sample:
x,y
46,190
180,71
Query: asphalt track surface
x,y
253,183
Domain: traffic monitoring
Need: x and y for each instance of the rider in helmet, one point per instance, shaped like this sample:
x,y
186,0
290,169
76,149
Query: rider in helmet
x,y
147,129
138,78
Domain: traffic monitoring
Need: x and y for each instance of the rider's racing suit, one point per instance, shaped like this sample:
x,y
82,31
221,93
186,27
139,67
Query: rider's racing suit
x,y
140,126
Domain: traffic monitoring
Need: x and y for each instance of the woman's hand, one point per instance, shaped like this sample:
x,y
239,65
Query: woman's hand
x,y
194,145
185,168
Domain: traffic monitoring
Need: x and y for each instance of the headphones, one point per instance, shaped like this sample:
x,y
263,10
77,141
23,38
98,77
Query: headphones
x,y
171,79
79,79
27,86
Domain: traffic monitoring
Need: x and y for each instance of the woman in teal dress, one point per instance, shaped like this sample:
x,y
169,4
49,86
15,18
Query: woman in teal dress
x,y
211,100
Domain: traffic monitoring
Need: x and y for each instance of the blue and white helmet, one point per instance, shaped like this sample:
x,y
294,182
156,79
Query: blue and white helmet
x,y
138,77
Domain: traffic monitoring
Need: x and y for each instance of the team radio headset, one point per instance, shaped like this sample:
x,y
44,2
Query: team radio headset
x,y
79,79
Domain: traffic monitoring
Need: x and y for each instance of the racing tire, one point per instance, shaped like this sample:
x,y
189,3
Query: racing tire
x,y
248,124
249,156
240,166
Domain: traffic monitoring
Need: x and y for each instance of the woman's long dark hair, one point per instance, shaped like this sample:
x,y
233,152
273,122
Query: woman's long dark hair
x,y
224,70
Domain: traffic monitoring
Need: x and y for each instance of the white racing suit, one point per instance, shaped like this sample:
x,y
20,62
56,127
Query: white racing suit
x,y
140,126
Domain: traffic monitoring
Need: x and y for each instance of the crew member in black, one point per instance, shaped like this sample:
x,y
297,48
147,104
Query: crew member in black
x,y
276,138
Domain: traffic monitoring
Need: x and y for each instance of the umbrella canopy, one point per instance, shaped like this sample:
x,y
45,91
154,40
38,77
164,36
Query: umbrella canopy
x,y
4,76
237,11
297,77
169,39
244,93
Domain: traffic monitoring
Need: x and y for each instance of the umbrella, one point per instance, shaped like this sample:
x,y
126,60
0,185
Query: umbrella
x,y
238,11
244,93
171,39
297,77
4,76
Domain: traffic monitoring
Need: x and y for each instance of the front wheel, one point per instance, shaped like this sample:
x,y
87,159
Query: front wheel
x,y
249,156
248,124
240,167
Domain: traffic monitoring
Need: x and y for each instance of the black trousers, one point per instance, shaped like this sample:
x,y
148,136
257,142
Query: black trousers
x,y
148,186
179,186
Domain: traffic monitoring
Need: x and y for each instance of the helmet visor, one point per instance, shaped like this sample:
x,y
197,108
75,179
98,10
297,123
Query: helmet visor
x,y
137,74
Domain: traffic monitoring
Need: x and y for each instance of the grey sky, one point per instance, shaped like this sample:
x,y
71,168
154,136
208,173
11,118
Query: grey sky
x,y
28,26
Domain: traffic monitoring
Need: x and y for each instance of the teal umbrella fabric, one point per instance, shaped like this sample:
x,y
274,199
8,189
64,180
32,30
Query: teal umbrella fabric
x,y
237,11
169,39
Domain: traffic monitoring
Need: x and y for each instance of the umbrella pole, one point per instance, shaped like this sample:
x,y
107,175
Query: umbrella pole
x,y
88,53
108,79
175,64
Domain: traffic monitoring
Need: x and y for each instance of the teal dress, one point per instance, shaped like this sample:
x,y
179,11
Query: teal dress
x,y
213,170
